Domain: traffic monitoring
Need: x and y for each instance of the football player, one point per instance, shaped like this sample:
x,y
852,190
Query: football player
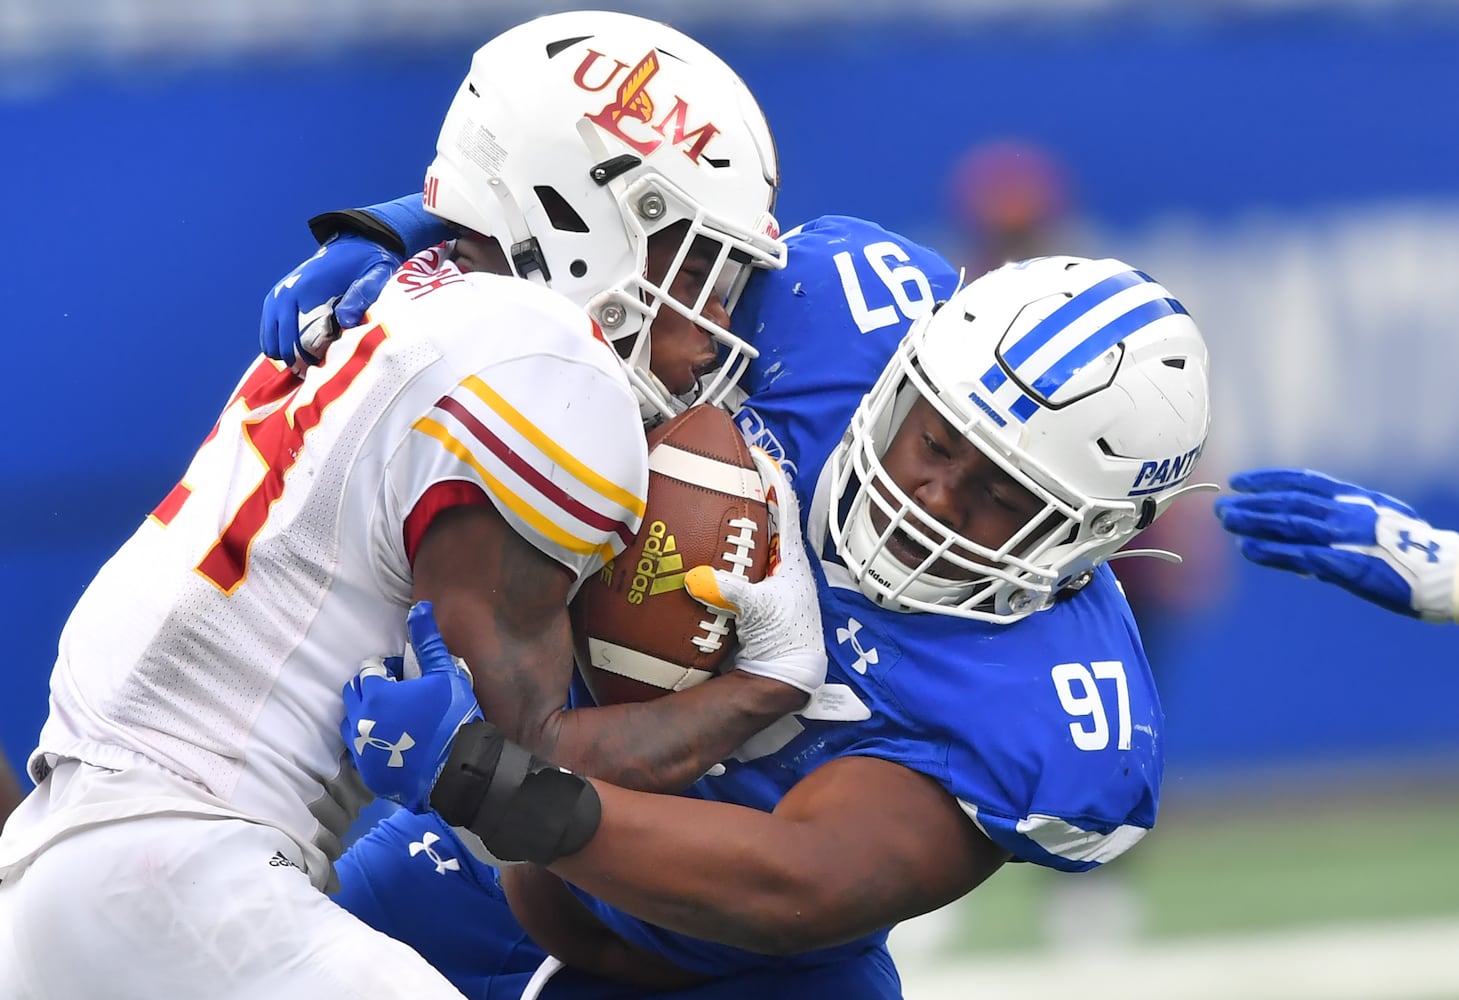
x,y
476,443
987,698
1367,543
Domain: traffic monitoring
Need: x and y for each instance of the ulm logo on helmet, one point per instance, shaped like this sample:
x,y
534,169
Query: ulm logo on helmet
x,y
660,569
632,103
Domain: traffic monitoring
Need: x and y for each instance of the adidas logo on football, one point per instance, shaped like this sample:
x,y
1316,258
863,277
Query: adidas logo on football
x,y
660,569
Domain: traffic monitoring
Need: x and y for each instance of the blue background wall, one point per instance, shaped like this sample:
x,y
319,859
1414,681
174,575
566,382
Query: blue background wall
x,y
147,211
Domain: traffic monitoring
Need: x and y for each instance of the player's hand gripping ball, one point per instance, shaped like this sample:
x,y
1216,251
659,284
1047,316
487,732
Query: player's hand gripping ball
x,y
638,633
778,619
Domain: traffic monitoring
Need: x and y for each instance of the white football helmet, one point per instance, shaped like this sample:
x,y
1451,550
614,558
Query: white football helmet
x,y
1083,380
577,136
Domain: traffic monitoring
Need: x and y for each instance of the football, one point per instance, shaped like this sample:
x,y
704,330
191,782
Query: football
x,y
637,633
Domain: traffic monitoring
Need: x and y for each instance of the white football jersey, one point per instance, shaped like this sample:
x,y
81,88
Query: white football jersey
x,y
216,642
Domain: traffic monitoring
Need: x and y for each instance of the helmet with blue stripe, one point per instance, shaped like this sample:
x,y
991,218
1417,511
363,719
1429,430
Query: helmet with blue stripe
x,y
1085,381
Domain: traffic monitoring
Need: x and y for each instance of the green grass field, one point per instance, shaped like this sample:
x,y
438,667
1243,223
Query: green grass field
x,y
1276,893
1233,866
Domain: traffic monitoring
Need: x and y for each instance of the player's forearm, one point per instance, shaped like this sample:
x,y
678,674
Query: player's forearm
x,y
560,924
667,744
727,873
402,226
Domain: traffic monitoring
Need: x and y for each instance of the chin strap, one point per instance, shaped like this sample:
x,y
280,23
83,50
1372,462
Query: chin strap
x,y
1163,554
1188,489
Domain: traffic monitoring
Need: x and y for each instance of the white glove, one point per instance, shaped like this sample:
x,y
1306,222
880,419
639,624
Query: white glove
x,y
778,620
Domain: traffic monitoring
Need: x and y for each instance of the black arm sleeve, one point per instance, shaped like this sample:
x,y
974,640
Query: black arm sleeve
x,y
522,807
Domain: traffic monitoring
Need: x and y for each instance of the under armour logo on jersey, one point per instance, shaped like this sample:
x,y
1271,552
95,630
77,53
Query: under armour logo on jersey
x,y
397,750
424,846
1406,542
863,656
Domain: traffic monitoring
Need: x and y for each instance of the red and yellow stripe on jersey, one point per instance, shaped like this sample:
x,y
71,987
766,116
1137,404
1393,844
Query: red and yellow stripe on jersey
x,y
535,478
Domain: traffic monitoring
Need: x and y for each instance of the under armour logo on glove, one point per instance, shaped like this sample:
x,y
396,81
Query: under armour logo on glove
x,y
426,711
1430,549
366,728
1366,542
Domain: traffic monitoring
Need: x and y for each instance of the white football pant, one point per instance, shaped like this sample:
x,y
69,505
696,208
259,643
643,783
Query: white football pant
x,y
182,906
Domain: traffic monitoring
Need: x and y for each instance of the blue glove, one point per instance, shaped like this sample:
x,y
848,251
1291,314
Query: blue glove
x,y
404,225
399,731
327,293
1366,542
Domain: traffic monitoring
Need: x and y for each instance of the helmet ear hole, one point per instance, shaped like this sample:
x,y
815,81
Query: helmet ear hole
x,y
563,216
578,268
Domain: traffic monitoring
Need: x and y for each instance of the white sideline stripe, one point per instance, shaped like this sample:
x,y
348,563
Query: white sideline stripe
x,y
642,667
1397,960
711,473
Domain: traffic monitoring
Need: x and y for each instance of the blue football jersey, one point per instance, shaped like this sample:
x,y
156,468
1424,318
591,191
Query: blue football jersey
x,y
1046,731
825,327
